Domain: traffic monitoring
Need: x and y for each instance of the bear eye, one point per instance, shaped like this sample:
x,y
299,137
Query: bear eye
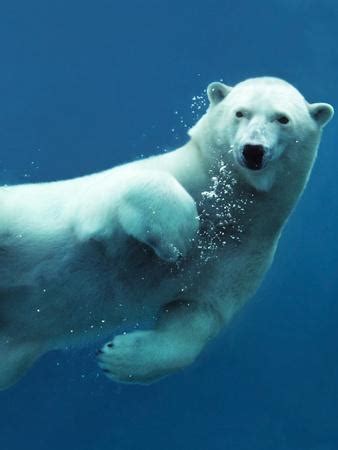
x,y
283,119
239,114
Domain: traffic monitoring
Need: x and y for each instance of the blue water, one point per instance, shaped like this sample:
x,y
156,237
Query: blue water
x,y
85,85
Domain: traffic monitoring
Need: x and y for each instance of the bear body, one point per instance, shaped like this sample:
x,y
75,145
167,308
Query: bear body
x,y
178,241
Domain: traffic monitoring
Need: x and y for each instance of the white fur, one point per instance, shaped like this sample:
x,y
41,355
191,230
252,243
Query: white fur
x,y
182,239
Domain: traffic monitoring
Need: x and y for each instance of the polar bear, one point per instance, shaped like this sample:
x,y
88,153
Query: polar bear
x,y
175,243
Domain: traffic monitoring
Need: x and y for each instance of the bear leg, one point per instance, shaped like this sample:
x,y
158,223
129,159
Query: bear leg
x,y
156,210
16,359
183,329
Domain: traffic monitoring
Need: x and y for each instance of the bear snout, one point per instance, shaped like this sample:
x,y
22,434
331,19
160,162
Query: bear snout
x,y
253,156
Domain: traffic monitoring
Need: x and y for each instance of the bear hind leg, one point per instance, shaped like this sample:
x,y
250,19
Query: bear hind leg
x,y
15,360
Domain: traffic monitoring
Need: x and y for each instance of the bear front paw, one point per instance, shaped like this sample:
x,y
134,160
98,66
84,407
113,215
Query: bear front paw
x,y
137,357
159,212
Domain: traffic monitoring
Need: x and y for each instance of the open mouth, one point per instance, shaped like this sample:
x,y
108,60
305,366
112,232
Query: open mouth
x,y
253,156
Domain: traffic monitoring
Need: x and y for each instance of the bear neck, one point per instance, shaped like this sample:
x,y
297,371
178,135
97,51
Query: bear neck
x,y
251,206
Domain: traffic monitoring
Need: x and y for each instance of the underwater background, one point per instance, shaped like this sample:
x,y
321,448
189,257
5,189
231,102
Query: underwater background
x,y
86,85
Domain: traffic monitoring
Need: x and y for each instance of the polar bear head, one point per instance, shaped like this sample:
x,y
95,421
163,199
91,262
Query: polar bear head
x,y
262,126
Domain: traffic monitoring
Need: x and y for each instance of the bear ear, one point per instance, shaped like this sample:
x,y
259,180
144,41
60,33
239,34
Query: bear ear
x,y
217,92
321,112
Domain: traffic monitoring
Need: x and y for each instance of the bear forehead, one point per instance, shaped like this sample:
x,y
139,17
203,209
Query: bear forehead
x,y
267,92
268,83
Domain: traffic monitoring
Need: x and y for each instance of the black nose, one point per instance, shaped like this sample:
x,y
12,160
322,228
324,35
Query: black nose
x,y
253,156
